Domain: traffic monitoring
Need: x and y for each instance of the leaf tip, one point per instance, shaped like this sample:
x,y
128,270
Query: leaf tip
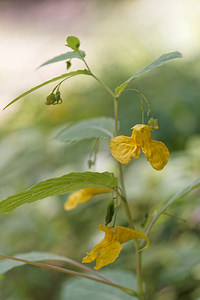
x,y
6,106
39,66
179,54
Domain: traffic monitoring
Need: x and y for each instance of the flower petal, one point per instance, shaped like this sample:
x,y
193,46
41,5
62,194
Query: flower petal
x,y
124,235
157,154
77,197
141,134
108,255
109,232
83,196
123,148
110,247
93,254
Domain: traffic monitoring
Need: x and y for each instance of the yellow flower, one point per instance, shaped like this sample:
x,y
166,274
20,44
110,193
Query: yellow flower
x,y
110,247
83,196
123,148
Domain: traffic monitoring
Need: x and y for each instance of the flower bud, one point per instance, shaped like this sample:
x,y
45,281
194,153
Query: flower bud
x,y
153,123
57,96
51,99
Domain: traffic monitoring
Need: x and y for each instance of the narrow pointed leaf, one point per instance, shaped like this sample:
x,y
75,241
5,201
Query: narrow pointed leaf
x,y
180,195
174,198
64,56
156,63
63,76
92,128
58,186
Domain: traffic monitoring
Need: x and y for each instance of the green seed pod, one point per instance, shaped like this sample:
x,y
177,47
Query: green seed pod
x,y
153,123
110,211
51,99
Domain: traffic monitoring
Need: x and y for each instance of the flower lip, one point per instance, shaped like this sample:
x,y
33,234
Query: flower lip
x,y
107,251
123,148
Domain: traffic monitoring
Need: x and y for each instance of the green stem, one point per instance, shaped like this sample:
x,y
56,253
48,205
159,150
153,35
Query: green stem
x,y
140,277
142,108
59,269
104,85
128,212
129,216
97,79
58,85
137,246
116,116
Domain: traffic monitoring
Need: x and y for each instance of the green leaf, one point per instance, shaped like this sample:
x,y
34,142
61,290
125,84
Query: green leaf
x,y
156,63
7,264
119,90
174,198
58,186
93,128
178,270
73,43
64,56
63,76
180,195
81,288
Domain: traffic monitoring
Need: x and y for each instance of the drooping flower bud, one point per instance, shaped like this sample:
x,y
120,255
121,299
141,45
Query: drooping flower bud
x,y
51,99
57,97
153,123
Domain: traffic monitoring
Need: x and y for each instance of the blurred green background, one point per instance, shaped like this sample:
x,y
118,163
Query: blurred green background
x,y
120,38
